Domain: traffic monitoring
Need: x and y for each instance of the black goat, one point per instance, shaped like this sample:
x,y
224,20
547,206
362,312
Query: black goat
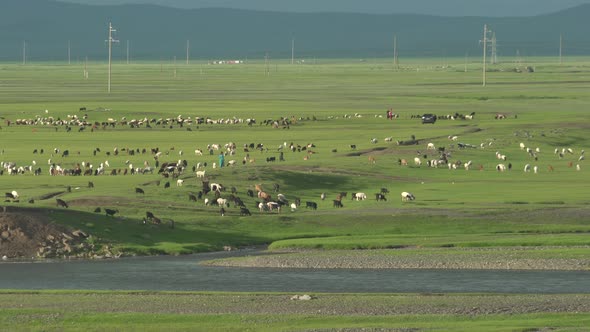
x,y
61,203
110,212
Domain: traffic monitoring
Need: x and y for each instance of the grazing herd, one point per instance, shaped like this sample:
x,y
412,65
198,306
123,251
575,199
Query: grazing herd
x,y
215,194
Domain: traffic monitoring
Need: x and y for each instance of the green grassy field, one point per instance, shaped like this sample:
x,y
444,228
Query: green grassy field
x,y
481,207
187,311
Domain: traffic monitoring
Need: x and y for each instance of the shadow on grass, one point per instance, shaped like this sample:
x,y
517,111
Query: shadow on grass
x,y
306,182
133,235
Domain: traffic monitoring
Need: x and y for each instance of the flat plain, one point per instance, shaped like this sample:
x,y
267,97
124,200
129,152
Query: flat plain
x,y
322,109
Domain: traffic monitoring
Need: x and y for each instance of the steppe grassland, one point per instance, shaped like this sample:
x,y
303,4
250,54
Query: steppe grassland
x,y
452,207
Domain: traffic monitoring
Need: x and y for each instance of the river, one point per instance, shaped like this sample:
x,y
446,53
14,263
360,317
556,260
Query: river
x,y
183,273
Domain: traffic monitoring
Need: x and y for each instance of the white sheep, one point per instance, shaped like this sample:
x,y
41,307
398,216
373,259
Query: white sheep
x,y
468,165
293,207
15,194
536,169
522,146
417,161
179,182
501,167
430,146
360,196
527,168
221,201
200,174
578,167
388,139
406,196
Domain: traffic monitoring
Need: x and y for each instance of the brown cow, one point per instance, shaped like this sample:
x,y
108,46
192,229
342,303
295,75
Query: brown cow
x,y
264,196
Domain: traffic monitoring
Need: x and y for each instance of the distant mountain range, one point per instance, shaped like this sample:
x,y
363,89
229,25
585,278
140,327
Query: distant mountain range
x,y
157,32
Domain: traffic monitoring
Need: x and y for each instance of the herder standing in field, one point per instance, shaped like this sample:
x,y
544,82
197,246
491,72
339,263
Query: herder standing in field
x,y
221,160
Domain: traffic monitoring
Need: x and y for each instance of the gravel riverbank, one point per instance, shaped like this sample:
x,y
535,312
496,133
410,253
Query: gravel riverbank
x,y
277,304
512,258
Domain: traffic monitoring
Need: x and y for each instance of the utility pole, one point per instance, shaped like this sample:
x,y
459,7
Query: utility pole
x,y
24,52
485,51
86,68
127,51
560,47
187,51
266,64
293,51
395,59
69,53
110,41
494,58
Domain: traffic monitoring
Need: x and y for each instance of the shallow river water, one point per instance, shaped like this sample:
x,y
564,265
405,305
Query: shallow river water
x,y
183,273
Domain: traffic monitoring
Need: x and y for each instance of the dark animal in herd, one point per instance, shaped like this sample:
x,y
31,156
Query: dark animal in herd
x,y
338,203
110,212
311,205
139,191
244,211
61,203
380,197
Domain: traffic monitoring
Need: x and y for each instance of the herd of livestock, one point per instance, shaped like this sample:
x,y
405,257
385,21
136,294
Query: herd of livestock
x,y
214,193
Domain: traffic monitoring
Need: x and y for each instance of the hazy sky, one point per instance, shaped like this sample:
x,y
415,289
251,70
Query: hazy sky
x,y
432,7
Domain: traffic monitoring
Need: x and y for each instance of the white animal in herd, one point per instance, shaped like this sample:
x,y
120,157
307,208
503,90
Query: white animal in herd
x,y
406,196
